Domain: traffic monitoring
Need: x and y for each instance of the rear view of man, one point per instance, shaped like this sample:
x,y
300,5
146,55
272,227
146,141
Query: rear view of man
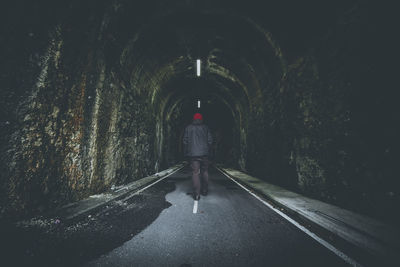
x,y
197,140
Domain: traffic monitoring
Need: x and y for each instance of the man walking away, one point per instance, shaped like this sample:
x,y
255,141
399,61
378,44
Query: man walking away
x,y
197,140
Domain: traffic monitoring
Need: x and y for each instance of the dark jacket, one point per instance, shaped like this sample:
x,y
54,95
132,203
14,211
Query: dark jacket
x,y
197,139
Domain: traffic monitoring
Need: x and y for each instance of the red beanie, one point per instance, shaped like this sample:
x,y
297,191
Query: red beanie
x,y
197,116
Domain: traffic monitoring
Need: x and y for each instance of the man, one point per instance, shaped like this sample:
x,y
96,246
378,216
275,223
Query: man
x,y
197,140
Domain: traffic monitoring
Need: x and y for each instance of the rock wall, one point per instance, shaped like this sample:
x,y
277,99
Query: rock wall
x,y
327,129
72,126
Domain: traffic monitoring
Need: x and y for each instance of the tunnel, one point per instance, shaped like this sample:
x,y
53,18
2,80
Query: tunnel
x,y
97,94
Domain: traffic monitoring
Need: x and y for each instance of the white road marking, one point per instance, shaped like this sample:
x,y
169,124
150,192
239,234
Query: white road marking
x,y
302,228
159,180
195,206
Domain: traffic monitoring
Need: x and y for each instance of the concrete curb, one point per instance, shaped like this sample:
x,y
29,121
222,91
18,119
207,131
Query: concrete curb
x,y
77,210
366,237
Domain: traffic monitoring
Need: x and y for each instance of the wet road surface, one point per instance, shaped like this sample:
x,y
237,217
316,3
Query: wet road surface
x,y
158,228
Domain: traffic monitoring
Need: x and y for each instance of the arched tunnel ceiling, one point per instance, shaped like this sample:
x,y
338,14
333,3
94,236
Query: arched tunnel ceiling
x,y
235,52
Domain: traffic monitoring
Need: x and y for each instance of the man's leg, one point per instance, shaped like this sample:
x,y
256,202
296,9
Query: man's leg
x,y
195,164
204,172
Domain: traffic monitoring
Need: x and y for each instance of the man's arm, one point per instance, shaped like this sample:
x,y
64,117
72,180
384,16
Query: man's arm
x,y
209,137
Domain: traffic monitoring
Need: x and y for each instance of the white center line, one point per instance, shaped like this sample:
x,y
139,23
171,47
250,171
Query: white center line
x,y
195,206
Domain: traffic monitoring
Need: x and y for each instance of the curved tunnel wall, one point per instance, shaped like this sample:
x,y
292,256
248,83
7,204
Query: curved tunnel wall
x,y
107,89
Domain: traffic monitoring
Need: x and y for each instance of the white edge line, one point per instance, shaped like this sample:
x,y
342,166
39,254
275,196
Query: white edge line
x,y
302,228
195,206
137,192
159,180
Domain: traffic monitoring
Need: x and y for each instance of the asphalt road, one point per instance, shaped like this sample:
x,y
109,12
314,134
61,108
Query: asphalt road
x,y
230,228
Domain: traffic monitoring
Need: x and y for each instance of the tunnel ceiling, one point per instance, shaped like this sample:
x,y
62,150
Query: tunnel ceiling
x,y
232,49
235,42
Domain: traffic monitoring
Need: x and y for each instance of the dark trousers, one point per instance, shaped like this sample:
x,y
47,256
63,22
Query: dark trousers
x,y
199,174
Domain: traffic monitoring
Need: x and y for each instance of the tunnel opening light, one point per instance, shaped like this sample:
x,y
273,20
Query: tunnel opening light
x,y
198,67
198,103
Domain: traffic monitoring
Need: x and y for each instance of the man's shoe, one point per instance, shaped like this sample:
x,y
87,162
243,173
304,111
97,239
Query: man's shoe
x,y
204,193
196,197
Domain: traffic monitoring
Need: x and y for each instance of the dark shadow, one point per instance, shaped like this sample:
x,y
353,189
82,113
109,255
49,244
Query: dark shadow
x,y
59,244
